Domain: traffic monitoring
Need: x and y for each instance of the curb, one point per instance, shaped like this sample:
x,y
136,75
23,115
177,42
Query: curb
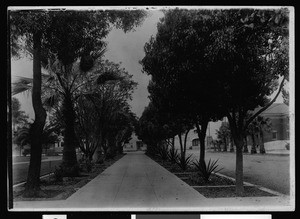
x,y
259,187
42,177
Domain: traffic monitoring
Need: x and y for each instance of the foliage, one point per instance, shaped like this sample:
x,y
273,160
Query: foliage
x,y
287,146
244,55
205,170
184,162
58,174
104,116
181,83
149,128
67,36
26,151
286,96
18,116
209,63
23,135
224,133
163,151
173,155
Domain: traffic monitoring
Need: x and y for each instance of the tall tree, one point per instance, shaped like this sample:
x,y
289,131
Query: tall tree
x,y
107,106
175,59
247,49
30,25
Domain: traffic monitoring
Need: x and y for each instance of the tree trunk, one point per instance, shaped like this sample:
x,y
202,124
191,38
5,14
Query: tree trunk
x,y
239,176
69,162
32,188
253,148
246,145
225,145
182,154
262,145
185,138
201,135
232,145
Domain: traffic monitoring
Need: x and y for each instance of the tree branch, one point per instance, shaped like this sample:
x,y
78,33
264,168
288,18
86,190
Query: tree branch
x,y
268,105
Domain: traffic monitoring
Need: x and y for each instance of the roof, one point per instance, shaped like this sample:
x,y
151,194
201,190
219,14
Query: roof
x,y
276,109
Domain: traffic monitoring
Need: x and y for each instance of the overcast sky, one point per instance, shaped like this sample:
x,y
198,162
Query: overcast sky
x,y
126,48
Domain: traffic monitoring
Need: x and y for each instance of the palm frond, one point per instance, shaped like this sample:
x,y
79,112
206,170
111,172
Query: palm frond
x,y
20,88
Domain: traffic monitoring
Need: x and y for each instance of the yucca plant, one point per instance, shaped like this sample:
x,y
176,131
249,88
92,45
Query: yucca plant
x,y
173,155
205,171
184,162
163,152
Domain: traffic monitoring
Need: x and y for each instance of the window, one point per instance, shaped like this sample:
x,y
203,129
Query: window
x,y
288,134
274,135
196,142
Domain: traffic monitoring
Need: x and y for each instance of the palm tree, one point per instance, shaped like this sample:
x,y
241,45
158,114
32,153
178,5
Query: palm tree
x,y
62,88
245,145
252,131
223,134
264,125
231,143
23,135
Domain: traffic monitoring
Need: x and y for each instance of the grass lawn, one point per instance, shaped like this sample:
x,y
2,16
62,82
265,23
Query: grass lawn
x,y
20,171
18,159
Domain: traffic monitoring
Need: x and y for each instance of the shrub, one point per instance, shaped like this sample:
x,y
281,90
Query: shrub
x,y
26,151
100,160
88,165
205,171
163,153
58,174
72,171
184,162
110,155
173,155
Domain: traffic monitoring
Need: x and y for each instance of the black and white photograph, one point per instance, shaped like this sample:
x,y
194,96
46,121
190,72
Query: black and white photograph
x,y
151,108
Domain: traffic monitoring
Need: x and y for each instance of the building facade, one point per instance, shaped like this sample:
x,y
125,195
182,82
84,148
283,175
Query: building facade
x,y
134,144
278,113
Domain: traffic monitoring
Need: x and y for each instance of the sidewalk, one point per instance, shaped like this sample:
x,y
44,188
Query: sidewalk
x,y
133,182
137,183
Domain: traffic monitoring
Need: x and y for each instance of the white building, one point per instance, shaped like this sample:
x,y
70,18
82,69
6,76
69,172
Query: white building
x,y
134,144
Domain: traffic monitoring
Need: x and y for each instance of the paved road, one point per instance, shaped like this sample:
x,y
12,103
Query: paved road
x,y
270,171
